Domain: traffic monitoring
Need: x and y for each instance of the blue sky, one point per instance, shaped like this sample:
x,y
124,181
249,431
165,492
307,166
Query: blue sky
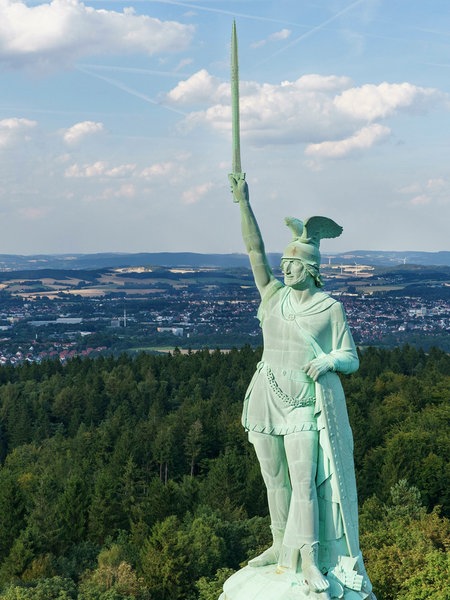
x,y
115,123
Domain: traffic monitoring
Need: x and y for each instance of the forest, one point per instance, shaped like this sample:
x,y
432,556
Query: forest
x,y
131,478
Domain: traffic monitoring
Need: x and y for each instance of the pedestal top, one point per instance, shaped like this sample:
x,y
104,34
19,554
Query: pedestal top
x,y
267,583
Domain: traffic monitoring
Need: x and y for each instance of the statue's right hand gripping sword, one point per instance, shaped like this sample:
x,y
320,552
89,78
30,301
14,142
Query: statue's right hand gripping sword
x,y
236,168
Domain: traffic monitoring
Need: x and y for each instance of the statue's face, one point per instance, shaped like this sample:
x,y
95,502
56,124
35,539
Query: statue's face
x,y
294,271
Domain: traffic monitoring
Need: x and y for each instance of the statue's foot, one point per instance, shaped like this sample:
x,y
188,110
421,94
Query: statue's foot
x,y
314,578
268,557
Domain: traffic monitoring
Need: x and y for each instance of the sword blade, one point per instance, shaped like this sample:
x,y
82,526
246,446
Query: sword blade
x,y
236,158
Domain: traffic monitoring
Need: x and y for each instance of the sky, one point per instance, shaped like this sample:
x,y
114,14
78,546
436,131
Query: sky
x,y
115,123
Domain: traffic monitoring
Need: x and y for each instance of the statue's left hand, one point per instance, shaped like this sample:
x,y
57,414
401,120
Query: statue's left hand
x,y
317,367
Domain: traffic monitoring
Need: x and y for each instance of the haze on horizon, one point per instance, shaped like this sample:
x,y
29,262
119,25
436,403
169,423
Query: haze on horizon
x,y
115,123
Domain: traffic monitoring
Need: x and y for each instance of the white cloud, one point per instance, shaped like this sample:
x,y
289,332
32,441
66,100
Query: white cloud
x,y
361,140
77,132
290,112
33,213
15,130
199,88
413,188
99,169
127,190
183,63
435,191
158,170
121,170
421,200
194,194
437,184
273,37
57,33
318,83
280,35
372,102
171,172
94,170
327,113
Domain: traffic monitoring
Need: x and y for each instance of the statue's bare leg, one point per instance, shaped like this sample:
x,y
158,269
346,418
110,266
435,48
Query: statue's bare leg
x,y
272,459
302,528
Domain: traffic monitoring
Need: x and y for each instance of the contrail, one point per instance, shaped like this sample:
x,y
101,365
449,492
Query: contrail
x,y
433,64
129,90
133,70
314,30
221,11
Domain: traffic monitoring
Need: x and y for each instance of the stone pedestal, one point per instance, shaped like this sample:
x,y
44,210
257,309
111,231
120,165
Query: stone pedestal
x,y
265,583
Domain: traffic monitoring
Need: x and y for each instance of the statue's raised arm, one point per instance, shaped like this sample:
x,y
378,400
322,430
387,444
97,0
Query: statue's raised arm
x,y
251,234
250,230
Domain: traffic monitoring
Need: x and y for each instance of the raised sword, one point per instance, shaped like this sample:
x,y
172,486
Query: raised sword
x,y
236,167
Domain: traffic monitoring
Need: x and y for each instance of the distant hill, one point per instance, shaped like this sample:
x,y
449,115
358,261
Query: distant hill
x,y
389,258
16,262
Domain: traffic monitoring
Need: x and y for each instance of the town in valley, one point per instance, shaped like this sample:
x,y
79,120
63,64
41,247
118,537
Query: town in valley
x,y
64,311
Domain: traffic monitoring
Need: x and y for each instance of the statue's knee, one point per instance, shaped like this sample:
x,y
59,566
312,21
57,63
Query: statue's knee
x,y
277,483
274,476
304,490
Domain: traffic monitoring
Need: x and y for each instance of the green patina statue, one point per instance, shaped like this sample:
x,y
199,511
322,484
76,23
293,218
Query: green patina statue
x,y
296,417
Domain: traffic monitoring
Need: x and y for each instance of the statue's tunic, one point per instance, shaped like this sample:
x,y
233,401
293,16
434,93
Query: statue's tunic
x,y
281,398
